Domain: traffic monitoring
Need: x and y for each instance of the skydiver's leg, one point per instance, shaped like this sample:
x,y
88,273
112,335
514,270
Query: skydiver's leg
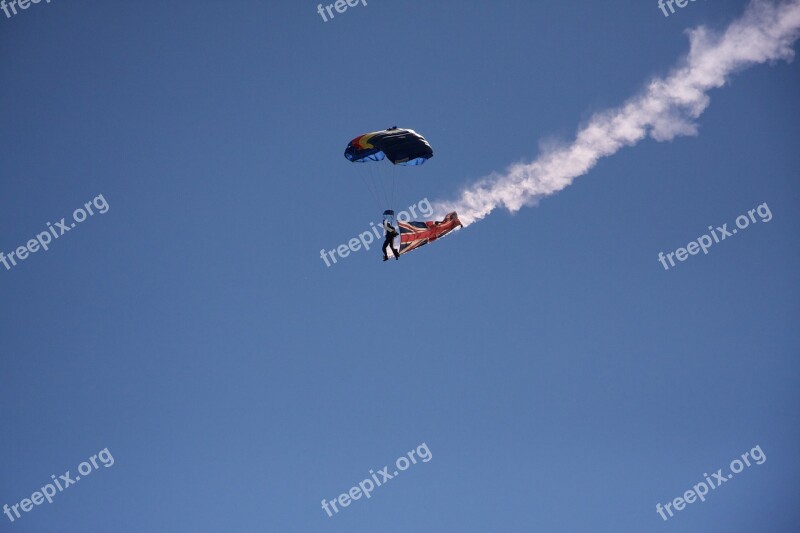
x,y
396,253
386,244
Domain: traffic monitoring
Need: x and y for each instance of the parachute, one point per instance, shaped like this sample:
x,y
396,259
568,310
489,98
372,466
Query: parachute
x,y
415,234
401,146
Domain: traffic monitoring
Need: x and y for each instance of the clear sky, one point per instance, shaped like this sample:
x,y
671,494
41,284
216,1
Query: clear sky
x,y
560,377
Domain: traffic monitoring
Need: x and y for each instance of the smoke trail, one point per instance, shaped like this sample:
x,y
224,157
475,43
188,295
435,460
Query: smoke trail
x,y
665,109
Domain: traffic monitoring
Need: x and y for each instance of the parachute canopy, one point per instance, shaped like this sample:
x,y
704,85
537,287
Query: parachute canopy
x,y
401,146
416,234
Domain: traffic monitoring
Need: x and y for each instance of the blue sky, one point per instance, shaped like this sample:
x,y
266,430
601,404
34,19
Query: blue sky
x,y
561,378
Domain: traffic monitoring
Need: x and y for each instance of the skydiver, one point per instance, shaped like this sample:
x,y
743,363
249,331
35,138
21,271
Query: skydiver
x,y
391,233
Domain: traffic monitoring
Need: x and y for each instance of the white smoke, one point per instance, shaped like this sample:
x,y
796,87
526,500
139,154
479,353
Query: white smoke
x,y
665,109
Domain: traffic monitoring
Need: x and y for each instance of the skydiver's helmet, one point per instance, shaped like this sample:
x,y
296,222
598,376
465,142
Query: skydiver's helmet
x,y
388,216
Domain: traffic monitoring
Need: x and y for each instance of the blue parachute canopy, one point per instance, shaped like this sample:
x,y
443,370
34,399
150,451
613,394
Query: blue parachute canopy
x,y
401,146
